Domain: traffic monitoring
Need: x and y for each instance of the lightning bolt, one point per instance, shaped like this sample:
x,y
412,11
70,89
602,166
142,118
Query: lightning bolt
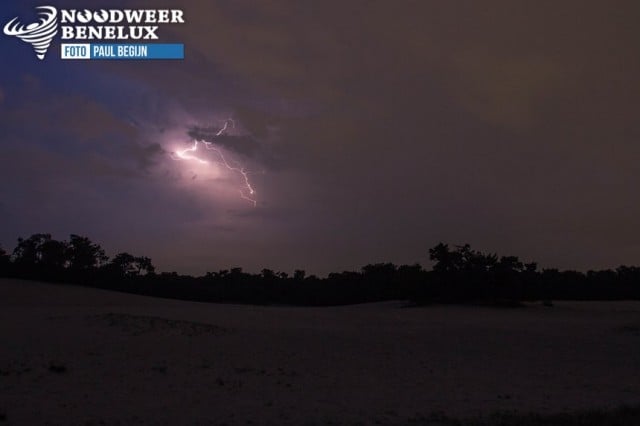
x,y
247,192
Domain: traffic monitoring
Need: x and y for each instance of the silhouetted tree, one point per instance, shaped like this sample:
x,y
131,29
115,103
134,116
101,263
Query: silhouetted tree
x,y
128,265
459,275
5,262
54,255
268,274
39,256
28,252
84,255
123,264
145,266
445,260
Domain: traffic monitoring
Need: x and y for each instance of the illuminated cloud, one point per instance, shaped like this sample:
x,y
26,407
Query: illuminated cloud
x,y
375,130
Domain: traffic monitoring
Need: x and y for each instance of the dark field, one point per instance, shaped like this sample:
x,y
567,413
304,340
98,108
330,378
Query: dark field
x,y
73,355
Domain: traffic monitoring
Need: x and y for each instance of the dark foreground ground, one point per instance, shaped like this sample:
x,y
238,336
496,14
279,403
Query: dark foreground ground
x,y
71,355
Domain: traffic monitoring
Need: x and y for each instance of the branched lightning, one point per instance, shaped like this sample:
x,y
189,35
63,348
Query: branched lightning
x,y
247,192
185,154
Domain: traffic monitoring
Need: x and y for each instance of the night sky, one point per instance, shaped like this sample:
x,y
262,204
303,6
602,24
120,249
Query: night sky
x,y
370,131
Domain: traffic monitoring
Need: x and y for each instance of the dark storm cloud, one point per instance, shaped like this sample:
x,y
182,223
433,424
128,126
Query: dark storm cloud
x,y
260,152
511,125
245,145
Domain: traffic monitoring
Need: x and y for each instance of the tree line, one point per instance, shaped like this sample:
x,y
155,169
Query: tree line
x,y
459,275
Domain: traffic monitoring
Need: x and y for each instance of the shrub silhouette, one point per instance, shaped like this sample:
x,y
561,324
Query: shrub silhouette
x,y
459,275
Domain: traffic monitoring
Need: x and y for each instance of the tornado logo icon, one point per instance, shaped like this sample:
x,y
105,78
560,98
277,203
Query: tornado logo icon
x,y
39,34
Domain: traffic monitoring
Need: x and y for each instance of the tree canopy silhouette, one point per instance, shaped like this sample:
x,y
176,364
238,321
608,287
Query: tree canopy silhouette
x,y
459,275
